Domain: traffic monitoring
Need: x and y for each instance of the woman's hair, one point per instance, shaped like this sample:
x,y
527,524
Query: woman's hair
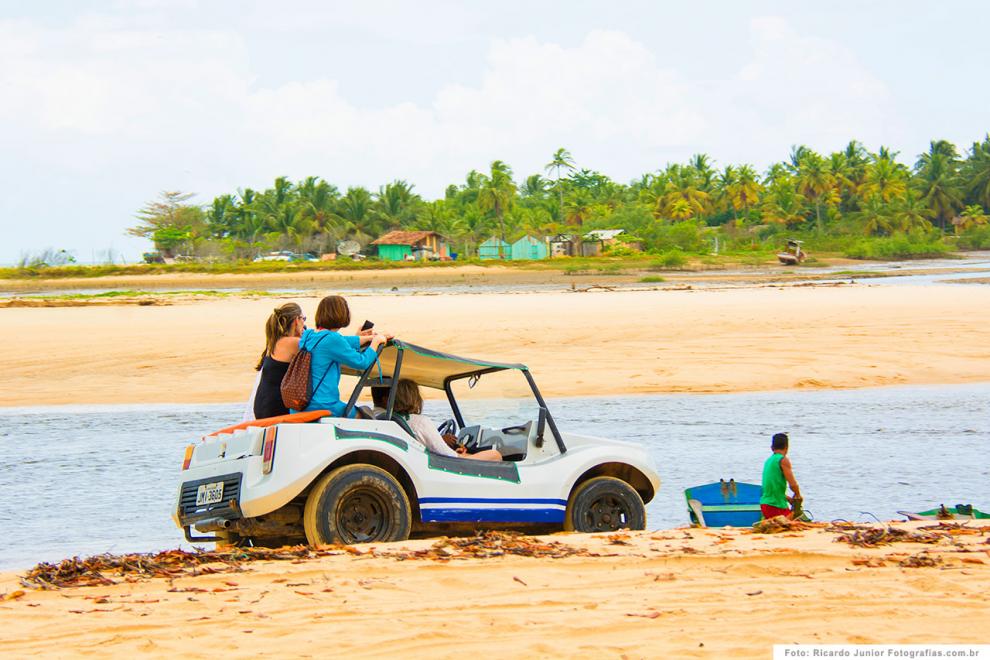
x,y
333,313
278,325
408,400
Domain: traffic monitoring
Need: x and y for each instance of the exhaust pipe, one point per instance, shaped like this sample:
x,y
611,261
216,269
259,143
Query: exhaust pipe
x,y
212,525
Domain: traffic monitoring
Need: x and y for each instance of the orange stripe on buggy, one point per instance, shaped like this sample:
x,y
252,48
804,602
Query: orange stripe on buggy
x,y
295,418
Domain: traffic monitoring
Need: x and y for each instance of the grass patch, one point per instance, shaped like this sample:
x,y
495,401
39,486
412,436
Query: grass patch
x,y
670,260
652,279
897,247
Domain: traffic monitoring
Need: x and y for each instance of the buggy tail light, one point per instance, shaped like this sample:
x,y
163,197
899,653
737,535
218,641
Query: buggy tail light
x,y
187,459
268,449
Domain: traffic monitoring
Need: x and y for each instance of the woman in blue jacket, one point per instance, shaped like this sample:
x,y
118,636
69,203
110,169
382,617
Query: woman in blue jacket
x,y
330,349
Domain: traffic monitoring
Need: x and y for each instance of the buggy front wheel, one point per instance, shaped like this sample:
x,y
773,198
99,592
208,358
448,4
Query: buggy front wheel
x,y
604,504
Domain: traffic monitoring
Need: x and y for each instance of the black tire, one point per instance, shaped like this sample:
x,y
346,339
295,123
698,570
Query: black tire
x,y
356,504
604,504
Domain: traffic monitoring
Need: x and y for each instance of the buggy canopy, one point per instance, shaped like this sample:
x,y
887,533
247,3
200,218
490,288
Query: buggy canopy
x,y
427,367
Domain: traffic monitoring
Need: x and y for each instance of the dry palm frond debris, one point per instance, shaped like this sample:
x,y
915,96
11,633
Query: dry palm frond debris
x,y
871,536
110,569
488,544
957,529
920,560
781,524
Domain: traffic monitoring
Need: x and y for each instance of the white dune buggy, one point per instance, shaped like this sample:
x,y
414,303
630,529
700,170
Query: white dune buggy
x,y
352,480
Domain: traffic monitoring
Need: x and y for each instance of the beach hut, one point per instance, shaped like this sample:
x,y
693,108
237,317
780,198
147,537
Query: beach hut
x,y
594,242
409,245
564,245
528,247
494,248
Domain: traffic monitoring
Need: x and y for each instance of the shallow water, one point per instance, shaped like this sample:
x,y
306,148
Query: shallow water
x,y
89,479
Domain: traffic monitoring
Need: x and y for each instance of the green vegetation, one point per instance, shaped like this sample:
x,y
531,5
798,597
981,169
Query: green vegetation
x,y
670,260
902,246
854,202
652,279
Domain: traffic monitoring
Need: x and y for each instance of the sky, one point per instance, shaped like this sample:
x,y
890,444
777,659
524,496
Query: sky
x,y
105,104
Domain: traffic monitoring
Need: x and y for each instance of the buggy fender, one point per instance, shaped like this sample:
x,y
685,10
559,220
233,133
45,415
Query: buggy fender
x,y
633,466
303,453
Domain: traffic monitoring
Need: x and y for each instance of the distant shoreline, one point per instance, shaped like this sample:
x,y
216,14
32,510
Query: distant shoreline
x,y
564,273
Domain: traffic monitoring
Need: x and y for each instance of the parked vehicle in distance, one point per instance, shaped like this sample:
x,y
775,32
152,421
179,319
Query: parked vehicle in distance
x,y
321,479
279,255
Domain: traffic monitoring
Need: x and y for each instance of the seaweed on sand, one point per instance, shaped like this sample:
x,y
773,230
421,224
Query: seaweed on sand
x,y
107,569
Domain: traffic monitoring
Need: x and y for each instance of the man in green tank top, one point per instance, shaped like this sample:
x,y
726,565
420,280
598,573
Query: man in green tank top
x,y
777,474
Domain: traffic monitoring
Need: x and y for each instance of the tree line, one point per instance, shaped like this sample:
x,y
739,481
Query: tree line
x,y
850,193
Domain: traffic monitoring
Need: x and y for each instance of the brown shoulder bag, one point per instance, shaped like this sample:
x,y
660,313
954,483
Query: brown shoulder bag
x,y
297,385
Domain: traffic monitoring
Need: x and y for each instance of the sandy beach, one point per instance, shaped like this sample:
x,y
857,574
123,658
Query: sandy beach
x,y
674,593
765,337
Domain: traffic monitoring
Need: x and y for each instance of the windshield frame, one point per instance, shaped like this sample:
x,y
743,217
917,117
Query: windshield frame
x,y
401,347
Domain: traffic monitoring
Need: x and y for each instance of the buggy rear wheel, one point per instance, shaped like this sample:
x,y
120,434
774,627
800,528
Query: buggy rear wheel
x,y
604,504
356,504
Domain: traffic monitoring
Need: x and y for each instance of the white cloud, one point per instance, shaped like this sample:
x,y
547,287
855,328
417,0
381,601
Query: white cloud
x,y
798,89
168,107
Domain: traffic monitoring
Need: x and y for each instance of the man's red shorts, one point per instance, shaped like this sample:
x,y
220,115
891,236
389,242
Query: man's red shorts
x,y
772,512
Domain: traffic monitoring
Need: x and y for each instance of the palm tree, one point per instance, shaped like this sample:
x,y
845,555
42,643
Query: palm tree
x,y
562,160
438,216
496,195
534,186
976,173
745,192
578,207
396,206
972,216
782,204
937,173
875,217
798,153
353,212
725,183
702,164
681,183
815,182
885,179
316,199
912,213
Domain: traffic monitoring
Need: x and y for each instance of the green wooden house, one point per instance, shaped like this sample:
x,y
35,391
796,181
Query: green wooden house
x,y
494,248
528,247
412,245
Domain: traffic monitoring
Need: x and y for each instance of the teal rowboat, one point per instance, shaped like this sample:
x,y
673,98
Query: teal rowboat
x,y
724,504
957,512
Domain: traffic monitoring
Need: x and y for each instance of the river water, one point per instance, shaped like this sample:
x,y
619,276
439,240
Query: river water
x,y
90,479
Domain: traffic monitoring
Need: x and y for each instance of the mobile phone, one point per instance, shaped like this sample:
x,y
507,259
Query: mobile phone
x,y
368,325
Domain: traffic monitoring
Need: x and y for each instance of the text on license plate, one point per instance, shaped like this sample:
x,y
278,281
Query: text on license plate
x,y
209,493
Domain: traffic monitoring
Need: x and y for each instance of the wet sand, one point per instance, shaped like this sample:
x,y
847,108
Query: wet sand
x,y
675,593
590,343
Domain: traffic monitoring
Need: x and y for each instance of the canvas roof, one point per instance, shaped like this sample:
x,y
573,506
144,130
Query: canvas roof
x,y
427,367
404,237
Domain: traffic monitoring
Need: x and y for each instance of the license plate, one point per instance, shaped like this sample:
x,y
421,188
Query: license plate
x,y
209,493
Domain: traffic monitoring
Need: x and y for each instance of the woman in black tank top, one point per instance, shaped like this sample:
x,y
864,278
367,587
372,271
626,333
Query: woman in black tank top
x,y
282,331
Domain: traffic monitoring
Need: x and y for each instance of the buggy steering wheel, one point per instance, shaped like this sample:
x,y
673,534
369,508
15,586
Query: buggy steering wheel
x,y
448,426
